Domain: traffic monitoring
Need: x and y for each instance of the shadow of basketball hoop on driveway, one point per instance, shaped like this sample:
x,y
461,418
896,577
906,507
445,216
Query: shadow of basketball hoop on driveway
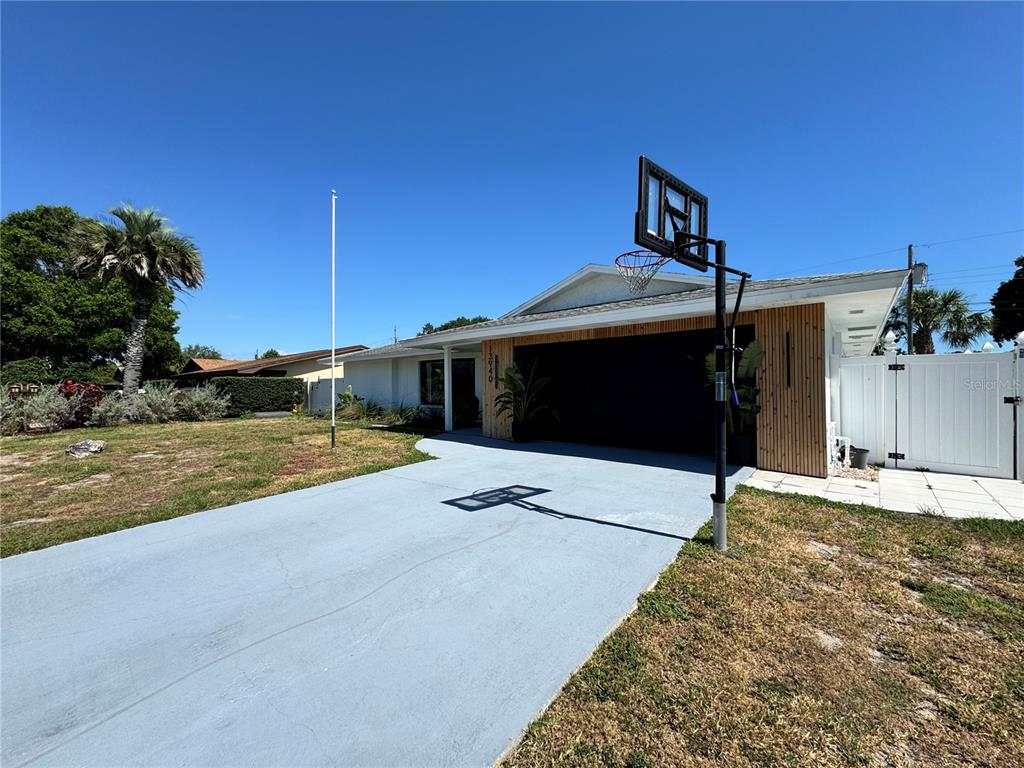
x,y
517,495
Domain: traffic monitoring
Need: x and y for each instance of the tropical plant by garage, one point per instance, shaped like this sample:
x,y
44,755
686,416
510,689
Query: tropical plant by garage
x,y
522,397
141,248
741,414
743,389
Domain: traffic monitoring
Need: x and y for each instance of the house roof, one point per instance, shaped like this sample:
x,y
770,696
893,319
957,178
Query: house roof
x,y
664,282
206,366
879,287
201,364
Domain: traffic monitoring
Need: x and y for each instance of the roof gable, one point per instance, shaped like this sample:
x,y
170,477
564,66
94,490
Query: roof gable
x,y
601,284
208,364
249,367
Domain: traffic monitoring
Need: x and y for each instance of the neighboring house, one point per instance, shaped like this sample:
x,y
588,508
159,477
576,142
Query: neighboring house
x,y
302,365
629,370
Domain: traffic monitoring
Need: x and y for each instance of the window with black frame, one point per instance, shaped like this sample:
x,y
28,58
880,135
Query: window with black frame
x,y
432,382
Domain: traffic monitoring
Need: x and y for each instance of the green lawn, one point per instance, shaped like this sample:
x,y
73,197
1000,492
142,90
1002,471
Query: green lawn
x,y
827,635
158,471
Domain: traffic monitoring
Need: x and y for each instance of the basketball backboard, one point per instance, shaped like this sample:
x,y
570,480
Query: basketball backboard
x,y
668,211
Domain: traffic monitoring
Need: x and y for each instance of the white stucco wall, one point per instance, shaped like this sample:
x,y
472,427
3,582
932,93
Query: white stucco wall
x,y
396,382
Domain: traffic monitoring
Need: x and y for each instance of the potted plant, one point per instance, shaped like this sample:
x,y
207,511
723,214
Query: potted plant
x,y
741,415
521,397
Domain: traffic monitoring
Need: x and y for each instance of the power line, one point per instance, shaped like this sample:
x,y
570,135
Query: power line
x,y
964,281
841,261
1001,268
901,249
965,239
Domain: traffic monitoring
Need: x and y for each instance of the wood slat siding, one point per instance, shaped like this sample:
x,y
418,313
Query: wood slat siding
x,y
497,356
791,429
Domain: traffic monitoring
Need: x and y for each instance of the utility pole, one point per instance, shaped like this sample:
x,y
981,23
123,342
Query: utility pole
x,y
910,300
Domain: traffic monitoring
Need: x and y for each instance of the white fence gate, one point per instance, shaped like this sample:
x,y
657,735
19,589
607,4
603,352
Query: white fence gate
x,y
318,395
947,413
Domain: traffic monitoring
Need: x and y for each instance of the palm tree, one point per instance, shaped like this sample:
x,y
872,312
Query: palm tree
x,y
946,313
143,250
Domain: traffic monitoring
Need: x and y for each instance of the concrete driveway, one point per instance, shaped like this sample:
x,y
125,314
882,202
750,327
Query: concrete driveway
x,y
392,619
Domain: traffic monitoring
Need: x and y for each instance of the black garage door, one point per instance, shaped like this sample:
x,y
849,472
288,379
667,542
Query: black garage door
x,y
638,391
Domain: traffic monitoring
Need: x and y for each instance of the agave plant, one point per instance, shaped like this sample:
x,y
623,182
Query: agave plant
x,y
522,396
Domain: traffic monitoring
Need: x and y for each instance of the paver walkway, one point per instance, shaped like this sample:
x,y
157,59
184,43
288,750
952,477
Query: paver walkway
x,y
903,490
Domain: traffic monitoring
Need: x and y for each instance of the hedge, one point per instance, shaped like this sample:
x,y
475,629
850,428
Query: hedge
x,y
250,394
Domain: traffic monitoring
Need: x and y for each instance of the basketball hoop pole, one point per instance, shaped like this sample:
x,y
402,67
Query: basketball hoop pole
x,y
719,520
668,227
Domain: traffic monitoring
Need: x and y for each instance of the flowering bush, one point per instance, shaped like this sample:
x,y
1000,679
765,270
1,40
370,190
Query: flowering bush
x,y
86,397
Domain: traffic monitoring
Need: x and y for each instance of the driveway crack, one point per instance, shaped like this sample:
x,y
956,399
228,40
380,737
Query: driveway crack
x,y
273,635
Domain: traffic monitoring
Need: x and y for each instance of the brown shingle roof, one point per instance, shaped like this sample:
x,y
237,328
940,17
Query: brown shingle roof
x,y
209,363
206,366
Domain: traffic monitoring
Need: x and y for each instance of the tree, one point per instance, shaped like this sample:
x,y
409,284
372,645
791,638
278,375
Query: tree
x,y
1008,305
70,320
458,322
201,350
946,313
270,353
140,248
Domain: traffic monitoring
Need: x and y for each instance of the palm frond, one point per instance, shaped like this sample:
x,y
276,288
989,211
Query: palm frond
x,y
140,247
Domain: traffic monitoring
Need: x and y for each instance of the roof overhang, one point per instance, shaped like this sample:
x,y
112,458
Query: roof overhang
x,y
878,289
392,352
859,319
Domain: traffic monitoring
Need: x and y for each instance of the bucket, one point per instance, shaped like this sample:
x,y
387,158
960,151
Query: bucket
x,y
859,458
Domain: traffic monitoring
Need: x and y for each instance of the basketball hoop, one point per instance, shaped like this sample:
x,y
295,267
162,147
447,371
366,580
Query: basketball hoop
x,y
638,267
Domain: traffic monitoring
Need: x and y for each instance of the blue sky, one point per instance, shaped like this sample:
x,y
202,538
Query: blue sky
x,y
484,151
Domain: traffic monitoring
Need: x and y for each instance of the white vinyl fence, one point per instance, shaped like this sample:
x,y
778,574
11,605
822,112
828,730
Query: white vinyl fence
x,y
948,413
318,395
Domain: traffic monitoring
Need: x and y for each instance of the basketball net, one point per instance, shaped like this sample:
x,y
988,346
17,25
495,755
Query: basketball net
x,y
638,268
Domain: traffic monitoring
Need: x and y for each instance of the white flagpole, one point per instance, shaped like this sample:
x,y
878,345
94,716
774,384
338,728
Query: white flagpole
x,y
334,399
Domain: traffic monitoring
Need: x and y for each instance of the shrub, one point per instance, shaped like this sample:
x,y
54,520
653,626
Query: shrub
x,y
39,370
12,413
110,412
88,397
429,418
160,383
48,409
156,405
399,416
28,370
251,394
81,372
203,403
102,373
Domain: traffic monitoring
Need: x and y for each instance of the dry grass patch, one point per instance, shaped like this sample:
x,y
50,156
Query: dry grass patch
x,y
158,471
828,635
